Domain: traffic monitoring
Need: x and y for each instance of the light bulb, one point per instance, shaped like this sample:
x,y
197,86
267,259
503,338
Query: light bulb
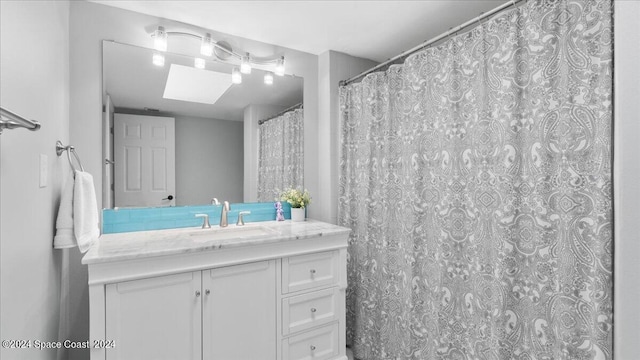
x,y
160,39
268,78
236,76
206,46
158,59
280,66
198,63
245,64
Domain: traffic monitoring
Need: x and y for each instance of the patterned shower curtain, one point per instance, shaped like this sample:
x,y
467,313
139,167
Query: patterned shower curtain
x,y
281,154
476,178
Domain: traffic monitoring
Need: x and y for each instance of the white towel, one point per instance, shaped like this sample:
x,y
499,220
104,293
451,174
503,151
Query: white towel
x,y
77,222
85,211
64,223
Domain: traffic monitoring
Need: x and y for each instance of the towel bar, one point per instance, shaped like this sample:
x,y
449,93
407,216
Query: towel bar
x,y
60,148
11,120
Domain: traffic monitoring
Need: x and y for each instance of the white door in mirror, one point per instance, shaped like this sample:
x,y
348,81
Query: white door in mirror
x,y
144,152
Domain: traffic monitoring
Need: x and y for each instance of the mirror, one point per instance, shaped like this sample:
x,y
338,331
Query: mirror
x,y
209,115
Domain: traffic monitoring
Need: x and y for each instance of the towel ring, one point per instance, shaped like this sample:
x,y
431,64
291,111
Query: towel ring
x,y
60,148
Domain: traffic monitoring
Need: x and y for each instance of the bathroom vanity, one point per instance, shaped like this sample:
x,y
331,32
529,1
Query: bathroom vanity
x,y
266,290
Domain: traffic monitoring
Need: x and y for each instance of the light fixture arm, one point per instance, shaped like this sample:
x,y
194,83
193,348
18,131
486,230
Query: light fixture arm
x,y
214,43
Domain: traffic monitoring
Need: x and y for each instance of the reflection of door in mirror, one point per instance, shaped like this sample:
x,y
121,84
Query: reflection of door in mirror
x,y
144,150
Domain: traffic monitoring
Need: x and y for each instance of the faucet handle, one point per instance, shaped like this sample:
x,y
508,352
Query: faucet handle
x,y
214,201
241,215
205,222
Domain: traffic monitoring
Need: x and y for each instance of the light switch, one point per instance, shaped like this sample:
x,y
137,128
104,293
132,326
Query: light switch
x,y
44,165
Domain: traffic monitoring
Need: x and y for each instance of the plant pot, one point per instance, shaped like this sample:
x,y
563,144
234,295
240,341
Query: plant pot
x,y
297,214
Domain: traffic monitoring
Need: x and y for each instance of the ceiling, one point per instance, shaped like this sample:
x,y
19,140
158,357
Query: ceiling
x,y
375,30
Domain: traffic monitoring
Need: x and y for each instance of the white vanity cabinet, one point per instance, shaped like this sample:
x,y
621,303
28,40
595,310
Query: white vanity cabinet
x,y
195,315
280,296
239,312
313,306
155,318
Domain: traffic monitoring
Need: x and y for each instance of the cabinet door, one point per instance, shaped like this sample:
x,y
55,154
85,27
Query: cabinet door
x,y
155,318
239,312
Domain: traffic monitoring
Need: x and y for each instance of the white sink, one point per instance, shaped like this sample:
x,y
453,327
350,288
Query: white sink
x,y
229,233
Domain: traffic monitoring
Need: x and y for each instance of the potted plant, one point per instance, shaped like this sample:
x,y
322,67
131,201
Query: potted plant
x,y
298,199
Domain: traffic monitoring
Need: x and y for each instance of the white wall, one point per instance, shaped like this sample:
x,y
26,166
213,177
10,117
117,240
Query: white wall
x,y
627,180
209,157
34,68
333,66
252,115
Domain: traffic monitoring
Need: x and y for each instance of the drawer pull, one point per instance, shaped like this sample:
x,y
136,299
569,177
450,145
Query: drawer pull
x,y
313,310
313,348
313,271
197,293
207,291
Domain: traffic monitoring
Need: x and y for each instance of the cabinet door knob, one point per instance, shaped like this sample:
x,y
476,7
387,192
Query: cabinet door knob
x,y
197,293
207,292
313,310
313,271
312,347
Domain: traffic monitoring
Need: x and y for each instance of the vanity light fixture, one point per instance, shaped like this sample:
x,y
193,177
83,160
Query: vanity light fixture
x,y
158,59
236,76
280,66
222,52
245,65
268,78
160,39
199,63
206,46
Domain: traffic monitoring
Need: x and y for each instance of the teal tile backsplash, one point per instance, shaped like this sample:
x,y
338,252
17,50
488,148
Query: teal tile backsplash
x,y
140,219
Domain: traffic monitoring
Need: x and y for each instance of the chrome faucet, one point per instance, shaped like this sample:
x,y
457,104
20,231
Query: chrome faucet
x,y
223,215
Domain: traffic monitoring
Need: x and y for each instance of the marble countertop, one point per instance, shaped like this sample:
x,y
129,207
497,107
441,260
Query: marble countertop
x,y
141,244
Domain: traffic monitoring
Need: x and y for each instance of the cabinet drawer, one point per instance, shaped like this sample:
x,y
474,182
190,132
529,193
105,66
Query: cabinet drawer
x,y
309,271
306,311
318,344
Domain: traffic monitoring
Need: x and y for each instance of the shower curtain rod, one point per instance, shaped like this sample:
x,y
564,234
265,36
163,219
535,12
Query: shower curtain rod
x,y
299,105
425,44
